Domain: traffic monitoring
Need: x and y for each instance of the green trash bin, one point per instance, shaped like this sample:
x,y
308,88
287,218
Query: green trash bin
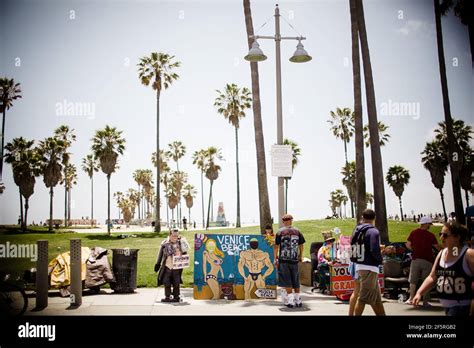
x,y
124,265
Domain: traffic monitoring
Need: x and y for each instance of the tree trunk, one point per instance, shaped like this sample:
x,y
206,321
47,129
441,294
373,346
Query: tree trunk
x,y
345,152
466,192
401,209
25,223
453,148
377,169
157,204
65,204
92,200
68,207
286,195
51,193
264,203
21,208
202,198
3,142
444,207
352,207
139,203
209,205
108,205
238,177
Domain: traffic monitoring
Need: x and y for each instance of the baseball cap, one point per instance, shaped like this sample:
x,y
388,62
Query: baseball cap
x,y
425,220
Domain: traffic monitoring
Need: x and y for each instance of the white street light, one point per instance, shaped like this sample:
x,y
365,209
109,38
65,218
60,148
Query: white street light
x,y
300,56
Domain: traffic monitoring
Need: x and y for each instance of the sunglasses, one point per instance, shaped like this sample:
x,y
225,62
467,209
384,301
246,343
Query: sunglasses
x,y
444,235
287,219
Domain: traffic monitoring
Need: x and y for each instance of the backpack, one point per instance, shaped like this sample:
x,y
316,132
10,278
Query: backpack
x,y
358,242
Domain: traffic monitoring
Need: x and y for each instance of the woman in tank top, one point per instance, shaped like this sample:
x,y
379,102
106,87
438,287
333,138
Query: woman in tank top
x,y
452,272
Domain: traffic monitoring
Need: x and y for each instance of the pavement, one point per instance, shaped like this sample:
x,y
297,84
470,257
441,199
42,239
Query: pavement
x,y
146,301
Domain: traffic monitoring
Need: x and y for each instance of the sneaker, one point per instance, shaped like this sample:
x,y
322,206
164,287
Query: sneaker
x,y
166,300
289,305
177,299
299,305
427,305
408,302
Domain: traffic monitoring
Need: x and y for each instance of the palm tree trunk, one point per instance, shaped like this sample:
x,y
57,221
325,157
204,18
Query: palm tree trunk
x,y
345,151
358,121
444,207
68,207
352,207
286,195
92,200
21,208
238,178
264,202
157,205
453,148
3,142
65,205
401,209
377,168
202,197
51,193
209,205
25,223
108,205
139,203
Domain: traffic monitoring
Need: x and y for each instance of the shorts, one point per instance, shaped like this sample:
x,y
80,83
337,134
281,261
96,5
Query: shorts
x,y
288,275
419,270
369,292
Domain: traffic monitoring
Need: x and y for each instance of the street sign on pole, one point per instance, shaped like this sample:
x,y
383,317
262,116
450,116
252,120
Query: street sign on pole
x,y
282,155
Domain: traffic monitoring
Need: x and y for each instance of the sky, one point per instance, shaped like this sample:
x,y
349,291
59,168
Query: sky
x,y
86,52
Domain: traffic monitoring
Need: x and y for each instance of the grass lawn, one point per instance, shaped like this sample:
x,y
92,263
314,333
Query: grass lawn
x,y
149,243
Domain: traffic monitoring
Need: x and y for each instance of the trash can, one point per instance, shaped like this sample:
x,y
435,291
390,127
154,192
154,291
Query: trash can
x,y
124,265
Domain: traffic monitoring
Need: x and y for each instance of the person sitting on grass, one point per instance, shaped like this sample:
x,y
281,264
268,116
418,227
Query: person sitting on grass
x,y
168,275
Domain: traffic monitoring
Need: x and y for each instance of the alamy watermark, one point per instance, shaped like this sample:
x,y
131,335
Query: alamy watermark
x,y
69,108
394,108
22,251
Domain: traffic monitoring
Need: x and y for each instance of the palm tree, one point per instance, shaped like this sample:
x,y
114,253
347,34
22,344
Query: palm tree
x,y
67,135
465,176
107,145
437,164
263,200
91,165
189,194
164,171
397,178
349,181
176,151
157,70
9,91
138,177
199,159
336,199
454,162
294,162
383,135
369,198
361,202
52,151
232,103
377,167
344,200
68,180
26,166
147,188
342,125
15,149
212,173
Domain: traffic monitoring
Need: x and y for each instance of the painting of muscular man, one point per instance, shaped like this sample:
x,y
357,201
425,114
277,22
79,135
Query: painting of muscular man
x,y
255,260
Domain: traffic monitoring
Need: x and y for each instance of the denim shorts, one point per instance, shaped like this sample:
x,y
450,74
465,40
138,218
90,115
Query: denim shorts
x,y
288,275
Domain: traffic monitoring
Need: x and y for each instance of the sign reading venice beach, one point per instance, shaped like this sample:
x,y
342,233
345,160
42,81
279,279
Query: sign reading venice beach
x,y
282,156
233,267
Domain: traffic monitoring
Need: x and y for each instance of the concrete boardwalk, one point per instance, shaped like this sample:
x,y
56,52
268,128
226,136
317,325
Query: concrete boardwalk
x,y
146,301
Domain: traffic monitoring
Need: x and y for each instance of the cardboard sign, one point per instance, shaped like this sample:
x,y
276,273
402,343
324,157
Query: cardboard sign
x,y
180,262
343,283
233,267
282,157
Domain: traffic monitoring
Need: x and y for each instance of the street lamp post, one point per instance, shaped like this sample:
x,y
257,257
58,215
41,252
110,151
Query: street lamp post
x,y
300,56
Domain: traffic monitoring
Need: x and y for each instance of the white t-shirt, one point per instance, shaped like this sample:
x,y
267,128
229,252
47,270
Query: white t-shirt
x,y
360,267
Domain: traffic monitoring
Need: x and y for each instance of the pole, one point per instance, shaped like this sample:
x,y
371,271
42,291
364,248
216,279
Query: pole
x,y
281,193
76,279
42,285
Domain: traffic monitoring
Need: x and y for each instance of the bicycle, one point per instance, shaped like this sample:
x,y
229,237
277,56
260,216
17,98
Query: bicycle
x,y
13,298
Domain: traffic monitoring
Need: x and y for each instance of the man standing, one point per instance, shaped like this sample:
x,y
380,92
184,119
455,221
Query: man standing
x,y
421,242
366,239
288,251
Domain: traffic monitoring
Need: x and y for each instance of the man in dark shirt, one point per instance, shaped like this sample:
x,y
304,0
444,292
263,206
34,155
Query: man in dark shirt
x,y
421,242
288,251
